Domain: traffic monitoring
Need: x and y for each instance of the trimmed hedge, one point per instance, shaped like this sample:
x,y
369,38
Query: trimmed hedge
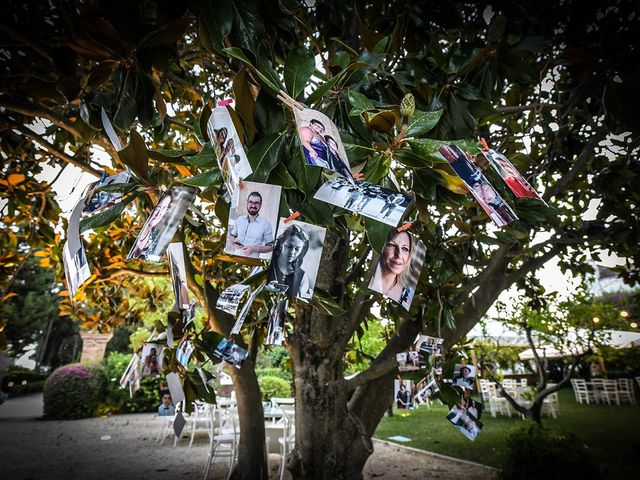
x,y
271,386
274,372
73,391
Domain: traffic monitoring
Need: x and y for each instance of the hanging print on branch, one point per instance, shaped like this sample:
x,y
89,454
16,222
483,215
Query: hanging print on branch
x,y
232,160
296,258
162,224
489,199
510,174
321,142
398,268
252,220
365,198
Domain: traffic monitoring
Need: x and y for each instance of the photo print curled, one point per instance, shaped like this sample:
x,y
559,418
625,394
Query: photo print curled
x,y
485,194
159,229
232,159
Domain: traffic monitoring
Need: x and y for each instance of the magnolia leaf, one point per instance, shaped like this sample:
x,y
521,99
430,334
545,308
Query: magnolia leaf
x,y
452,182
107,216
324,302
298,68
421,122
205,159
265,155
376,233
169,156
205,179
381,121
135,156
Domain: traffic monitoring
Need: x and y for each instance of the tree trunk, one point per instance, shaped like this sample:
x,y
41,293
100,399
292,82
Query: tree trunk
x,y
535,412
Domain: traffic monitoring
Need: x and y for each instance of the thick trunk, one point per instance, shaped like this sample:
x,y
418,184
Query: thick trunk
x,y
252,455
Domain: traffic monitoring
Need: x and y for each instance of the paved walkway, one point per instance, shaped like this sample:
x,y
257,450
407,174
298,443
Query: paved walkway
x,y
124,447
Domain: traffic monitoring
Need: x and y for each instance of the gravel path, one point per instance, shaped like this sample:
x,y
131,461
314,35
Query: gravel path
x,y
124,447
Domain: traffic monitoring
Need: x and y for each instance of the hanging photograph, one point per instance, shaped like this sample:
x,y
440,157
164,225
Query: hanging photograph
x,y
231,353
183,353
426,389
129,371
175,255
365,198
188,314
232,160
275,329
431,346
410,361
151,359
403,393
510,174
162,224
464,376
489,199
76,267
398,269
230,298
321,142
296,258
245,309
96,202
464,422
253,219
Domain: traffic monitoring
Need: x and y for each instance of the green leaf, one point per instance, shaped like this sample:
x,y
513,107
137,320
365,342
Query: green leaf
x,y
200,126
424,183
376,168
376,233
359,103
324,302
205,179
117,187
428,147
169,156
421,122
281,176
135,156
216,21
449,394
319,92
265,155
198,387
107,216
205,159
238,54
298,68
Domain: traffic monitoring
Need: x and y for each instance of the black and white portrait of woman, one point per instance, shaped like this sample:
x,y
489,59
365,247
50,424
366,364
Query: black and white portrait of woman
x,y
296,258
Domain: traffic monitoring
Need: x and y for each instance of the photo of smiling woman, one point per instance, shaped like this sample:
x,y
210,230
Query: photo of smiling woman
x,y
398,269
296,258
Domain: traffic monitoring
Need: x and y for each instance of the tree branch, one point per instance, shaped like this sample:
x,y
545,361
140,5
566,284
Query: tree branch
x,y
139,273
526,108
31,135
38,111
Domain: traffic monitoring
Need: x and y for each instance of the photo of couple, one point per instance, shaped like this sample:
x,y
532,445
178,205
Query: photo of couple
x,y
296,258
252,220
398,269
321,142
486,195
365,198
232,160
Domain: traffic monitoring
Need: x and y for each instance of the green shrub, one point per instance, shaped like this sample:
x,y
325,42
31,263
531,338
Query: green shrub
x,y
118,400
271,386
534,452
73,391
19,381
274,372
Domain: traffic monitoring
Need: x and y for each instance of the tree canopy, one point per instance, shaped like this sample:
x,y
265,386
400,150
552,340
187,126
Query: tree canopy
x,y
548,85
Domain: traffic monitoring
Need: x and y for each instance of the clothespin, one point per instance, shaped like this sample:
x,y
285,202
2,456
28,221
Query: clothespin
x,y
225,102
240,184
404,226
292,216
485,145
358,176
287,100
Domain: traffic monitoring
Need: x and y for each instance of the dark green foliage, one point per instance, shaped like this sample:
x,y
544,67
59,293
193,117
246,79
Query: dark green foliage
x,y
274,387
20,381
118,400
534,452
73,391
274,372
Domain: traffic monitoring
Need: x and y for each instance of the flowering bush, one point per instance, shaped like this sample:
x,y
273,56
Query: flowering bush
x,y
73,391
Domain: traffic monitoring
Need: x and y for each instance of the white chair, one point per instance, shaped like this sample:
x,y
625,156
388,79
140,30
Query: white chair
x,y
625,390
551,403
523,382
509,383
287,441
610,392
581,392
498,404
224,438
200,420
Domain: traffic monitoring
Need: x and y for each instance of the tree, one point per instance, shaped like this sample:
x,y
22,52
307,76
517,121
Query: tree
x,y
575,326
549,86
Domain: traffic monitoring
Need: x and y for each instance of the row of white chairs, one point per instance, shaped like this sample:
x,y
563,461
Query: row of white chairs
x,y
602,390
500,405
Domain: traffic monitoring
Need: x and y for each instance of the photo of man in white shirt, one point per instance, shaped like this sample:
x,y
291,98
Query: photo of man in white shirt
x,y
251,233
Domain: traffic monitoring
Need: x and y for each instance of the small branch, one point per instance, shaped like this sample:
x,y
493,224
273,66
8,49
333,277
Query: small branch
x,y
38,111
31,135
516,406
526,108
179,123
355,271
139,273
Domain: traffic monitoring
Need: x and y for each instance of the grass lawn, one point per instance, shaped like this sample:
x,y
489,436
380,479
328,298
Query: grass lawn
x,y
612,432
